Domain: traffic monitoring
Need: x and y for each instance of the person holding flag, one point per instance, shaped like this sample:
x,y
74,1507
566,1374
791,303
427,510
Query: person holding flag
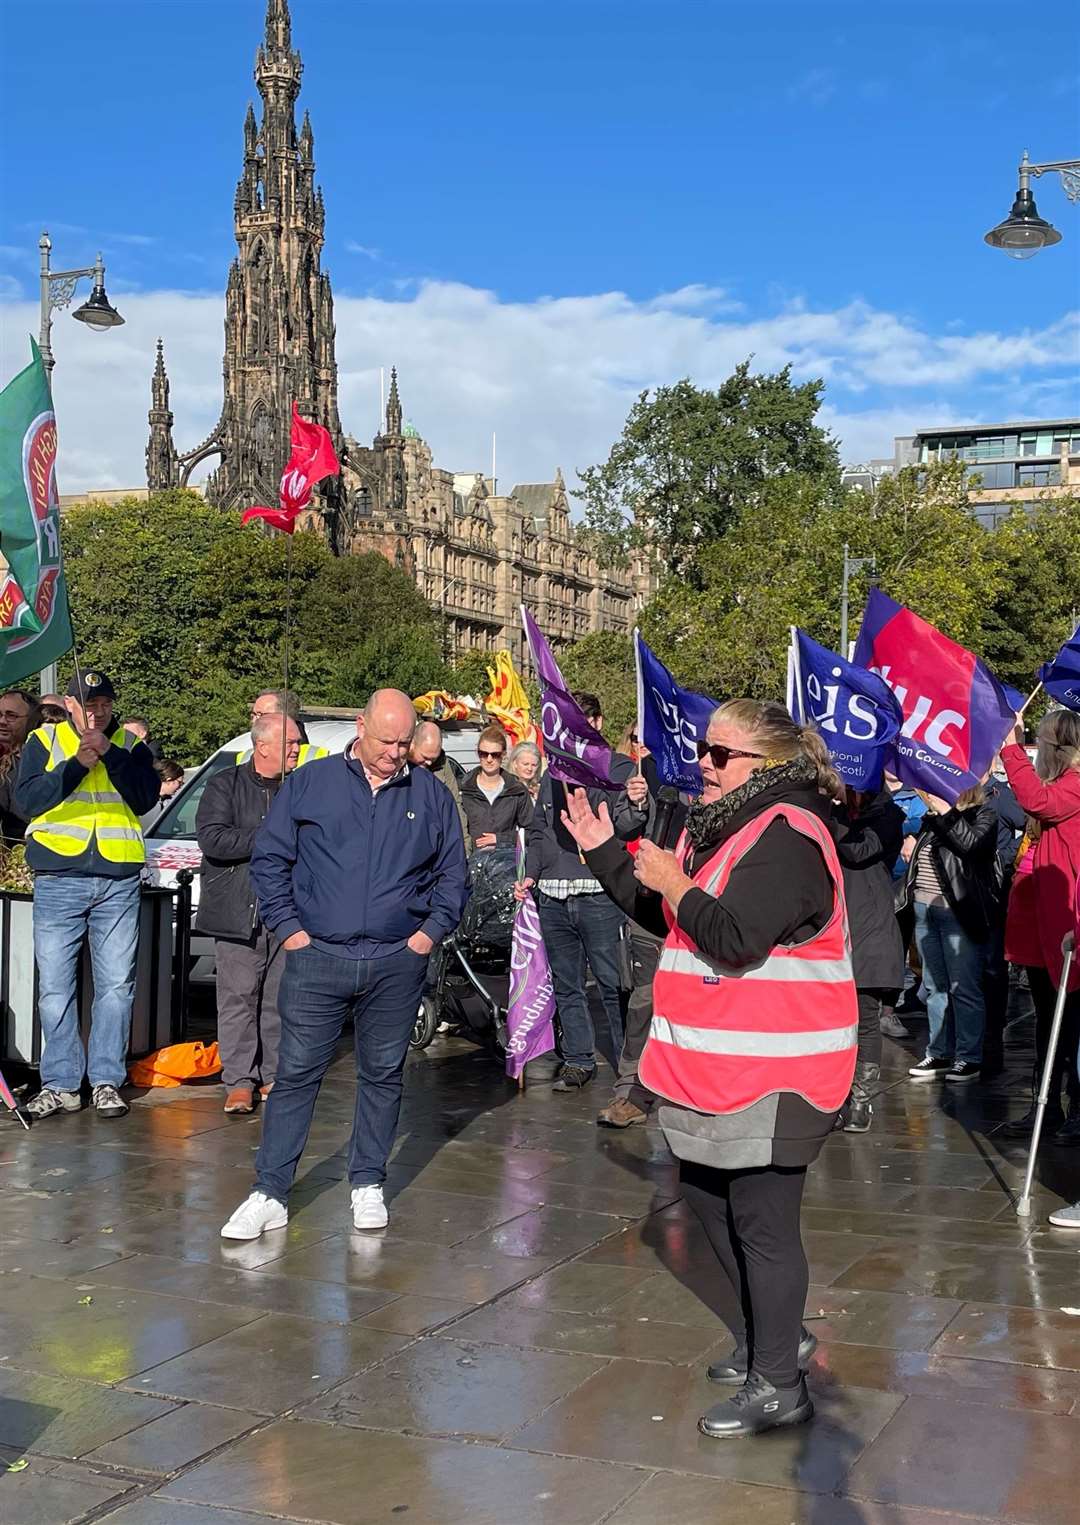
x,y
82,787
1050,793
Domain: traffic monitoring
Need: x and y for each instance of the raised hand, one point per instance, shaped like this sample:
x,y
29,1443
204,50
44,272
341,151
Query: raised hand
x,y
588,827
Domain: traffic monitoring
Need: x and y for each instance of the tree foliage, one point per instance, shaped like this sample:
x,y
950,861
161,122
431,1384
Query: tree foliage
x,y
185,608
602,663
690,460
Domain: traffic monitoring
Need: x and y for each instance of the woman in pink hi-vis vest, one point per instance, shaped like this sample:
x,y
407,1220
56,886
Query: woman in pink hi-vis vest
x,y
755,1024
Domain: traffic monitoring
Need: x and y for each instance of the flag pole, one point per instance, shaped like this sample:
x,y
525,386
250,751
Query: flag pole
x,y
640,697
285,661
1033,695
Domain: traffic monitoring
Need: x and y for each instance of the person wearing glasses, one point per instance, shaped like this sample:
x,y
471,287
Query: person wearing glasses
x,y
495,803
278,701
754,1030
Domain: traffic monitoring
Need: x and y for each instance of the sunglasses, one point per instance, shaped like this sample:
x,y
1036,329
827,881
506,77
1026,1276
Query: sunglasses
x,y
482,753
720,755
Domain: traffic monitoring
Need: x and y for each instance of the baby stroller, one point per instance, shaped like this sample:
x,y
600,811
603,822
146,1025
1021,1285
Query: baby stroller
x,y
469,976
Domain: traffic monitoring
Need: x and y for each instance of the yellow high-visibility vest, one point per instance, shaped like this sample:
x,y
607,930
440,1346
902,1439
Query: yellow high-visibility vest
x,y
308,753
95,811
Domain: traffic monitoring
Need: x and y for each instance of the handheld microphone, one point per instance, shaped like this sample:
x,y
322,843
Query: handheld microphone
x,y
667,799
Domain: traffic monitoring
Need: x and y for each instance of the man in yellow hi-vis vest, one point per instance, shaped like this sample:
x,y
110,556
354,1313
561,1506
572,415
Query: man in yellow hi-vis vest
x,y
83,784
279,701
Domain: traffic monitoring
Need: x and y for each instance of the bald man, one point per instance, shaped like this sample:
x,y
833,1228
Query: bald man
x,y
427,752
360,871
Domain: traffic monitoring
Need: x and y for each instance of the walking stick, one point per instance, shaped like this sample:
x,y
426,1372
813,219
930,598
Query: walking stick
x,y
1068,948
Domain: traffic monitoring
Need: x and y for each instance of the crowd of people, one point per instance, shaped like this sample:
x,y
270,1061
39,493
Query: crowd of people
x,y
748,947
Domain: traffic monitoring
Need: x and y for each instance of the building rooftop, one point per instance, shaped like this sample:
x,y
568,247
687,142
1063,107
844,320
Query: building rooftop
x,y
1018,426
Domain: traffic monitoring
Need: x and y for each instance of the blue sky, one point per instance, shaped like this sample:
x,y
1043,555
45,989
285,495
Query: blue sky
x,y
537,208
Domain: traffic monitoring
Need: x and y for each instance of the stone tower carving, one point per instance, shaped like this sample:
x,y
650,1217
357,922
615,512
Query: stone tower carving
x,y
279,308
162,466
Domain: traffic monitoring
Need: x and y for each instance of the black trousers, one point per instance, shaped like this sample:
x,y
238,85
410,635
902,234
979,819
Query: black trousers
x,y
870,1026
1044,996
751,1218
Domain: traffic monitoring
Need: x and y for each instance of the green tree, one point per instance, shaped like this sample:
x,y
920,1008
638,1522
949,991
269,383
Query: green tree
x,y
690,460
602,663
185,607
781,564
1037,554
470,674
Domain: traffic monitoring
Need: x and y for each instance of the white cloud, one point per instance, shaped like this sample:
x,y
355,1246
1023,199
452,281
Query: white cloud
x,y
553,378
817,86
368,252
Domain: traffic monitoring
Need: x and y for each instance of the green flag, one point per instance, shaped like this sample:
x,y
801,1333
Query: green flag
x,y
35,622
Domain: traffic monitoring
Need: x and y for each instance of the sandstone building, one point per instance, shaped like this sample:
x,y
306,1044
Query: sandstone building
x,y
474,552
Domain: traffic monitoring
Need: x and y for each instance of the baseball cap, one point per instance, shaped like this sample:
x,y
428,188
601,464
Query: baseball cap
x,y
94,685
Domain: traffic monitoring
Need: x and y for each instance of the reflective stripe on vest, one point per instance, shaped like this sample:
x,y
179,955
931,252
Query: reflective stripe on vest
x,y
721,1039
309,752
95,809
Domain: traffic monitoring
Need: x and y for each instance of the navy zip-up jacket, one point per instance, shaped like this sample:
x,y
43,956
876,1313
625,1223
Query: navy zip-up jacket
x,y
360,872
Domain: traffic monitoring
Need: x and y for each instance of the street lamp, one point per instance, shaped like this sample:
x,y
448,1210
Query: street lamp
x,y
1023,233
851,564
58,290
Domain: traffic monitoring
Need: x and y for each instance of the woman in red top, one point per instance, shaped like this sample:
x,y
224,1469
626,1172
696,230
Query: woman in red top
x,y
1043,907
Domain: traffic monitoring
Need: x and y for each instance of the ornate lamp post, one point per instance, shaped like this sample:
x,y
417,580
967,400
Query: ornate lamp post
x,y
1023,233
58,290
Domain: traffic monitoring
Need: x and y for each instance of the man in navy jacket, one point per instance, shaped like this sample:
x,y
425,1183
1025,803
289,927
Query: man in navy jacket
x,y
360,871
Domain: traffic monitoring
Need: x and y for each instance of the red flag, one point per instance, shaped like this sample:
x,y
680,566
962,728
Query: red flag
x,y
312,459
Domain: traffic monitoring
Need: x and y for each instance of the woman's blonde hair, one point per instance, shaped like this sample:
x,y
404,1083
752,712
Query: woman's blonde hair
x,y
781,739
1058,744
976,795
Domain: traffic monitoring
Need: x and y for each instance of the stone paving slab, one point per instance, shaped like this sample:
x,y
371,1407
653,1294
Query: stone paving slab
x,y
527,1341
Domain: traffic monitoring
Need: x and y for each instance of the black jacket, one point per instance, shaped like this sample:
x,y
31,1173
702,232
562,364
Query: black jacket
x,y
551,851
503,816
234,805
868,846
631,821
963,844
40,788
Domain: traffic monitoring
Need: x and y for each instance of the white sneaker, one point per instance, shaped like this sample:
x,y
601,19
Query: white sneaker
x,y
254,1216
368,1207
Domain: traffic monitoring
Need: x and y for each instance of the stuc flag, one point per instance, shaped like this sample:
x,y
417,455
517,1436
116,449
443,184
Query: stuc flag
x,y
530,1011
35,623
1061,677
854,711
312,458
956,713
576,752
671,720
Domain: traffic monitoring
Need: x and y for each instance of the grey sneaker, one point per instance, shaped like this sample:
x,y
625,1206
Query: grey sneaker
x,y
1066,1217
891,1025
47,1101
109,1103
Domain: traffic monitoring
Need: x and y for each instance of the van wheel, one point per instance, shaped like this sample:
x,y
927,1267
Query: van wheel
x,y
427,1020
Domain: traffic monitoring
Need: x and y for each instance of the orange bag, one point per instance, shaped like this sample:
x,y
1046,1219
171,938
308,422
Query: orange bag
x,y
173,1065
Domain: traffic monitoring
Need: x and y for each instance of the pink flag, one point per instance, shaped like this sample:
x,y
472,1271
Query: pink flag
x,y
8,1098
530,1013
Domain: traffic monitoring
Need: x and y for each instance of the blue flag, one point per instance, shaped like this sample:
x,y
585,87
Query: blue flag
x,y
1061,677
855,712
671,720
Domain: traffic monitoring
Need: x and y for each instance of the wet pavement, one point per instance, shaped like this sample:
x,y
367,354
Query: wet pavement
x,y
527,1341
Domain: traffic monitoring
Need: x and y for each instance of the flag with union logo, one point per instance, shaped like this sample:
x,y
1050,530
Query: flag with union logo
x,y
956,713
671,721
35,622
854,710
312,458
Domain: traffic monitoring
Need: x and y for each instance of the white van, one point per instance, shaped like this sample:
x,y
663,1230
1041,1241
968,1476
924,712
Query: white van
x,y
170,839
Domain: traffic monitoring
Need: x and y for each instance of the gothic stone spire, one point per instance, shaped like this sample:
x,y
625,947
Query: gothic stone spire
x,y
162,470
393,406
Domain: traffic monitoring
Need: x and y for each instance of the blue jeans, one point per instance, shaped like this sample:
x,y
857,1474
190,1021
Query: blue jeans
x,y
67,908
582,933
318,994
952,974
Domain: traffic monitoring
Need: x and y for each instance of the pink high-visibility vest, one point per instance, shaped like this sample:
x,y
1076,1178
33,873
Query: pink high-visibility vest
x,y
722,1039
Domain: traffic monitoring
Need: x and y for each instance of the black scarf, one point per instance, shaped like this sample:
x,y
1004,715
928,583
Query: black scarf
x,y
706,824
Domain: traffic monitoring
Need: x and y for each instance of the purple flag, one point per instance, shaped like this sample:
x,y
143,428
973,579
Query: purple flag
x,y
575,751
530,1011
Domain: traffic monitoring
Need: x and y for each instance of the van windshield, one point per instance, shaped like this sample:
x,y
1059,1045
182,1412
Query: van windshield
x,y
177,824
